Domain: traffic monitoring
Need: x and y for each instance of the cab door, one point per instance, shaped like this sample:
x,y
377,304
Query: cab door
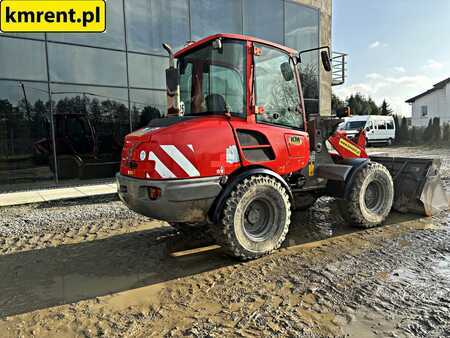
x,y
277,119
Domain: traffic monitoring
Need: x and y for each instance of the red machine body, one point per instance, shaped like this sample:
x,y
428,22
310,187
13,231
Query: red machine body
x,y
215,145
237,152
205,146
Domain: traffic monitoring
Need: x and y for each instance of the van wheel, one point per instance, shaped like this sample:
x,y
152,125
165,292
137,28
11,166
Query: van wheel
x,y
255,219
371,197
390,142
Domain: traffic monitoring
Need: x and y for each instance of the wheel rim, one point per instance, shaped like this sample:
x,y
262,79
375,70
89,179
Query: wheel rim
x,y
259,218
374,196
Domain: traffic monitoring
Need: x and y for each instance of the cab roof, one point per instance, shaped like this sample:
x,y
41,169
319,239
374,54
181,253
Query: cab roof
x,y
234,37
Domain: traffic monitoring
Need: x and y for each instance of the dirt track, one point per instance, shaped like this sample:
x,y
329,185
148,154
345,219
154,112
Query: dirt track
x,y
117,274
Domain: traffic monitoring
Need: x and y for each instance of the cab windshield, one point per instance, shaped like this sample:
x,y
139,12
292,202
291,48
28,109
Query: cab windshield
x,y
212,80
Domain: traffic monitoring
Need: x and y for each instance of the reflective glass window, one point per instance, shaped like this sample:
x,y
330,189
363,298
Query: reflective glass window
x,y
113,37
40,36
302,32
147,71
90,122
301,26
264,19
147,105
25,148
150,23
211,17
22,59
86,65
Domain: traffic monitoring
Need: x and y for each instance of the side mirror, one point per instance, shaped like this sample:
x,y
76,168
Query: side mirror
x,y
172,84
287,72
217,44
172,73
326,60
172,79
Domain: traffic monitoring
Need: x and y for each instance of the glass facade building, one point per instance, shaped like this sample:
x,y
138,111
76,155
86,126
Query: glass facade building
x,y
68,100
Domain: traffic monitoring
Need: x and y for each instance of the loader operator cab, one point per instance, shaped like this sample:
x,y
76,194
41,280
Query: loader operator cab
x,y
236,77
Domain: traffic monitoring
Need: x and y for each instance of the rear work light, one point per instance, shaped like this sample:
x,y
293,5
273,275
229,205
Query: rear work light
x,y
154,193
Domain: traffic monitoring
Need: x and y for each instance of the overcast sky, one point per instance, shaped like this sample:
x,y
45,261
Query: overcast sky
x,y
397,48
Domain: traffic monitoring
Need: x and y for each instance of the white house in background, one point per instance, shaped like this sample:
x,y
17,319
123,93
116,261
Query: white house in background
x,y
432,103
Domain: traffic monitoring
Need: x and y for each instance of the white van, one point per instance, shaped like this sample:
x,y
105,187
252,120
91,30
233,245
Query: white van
x,y
379,129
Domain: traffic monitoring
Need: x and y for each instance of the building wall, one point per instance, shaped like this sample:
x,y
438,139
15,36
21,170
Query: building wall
x,y
326,9
116,79
438,105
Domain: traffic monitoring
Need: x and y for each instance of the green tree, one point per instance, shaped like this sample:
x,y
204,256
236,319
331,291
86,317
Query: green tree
x,y
397,129
372,107
95,110
413,136
446,134
428,133
148,113
385,109
404,132
357,104
336,103
436,130
360,105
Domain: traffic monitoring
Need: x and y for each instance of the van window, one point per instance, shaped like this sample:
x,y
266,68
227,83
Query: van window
x,y
390,125
381,125
354,125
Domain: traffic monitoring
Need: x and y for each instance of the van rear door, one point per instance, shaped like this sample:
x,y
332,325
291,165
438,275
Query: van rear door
x,y
379,133
390,129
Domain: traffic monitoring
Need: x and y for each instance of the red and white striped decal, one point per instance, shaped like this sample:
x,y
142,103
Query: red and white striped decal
x,y
173,161
160,167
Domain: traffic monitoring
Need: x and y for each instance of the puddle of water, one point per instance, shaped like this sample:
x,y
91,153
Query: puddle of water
x,y
443,267
440,267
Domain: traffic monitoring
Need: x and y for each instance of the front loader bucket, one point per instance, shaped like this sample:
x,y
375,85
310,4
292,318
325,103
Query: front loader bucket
x,y
417,184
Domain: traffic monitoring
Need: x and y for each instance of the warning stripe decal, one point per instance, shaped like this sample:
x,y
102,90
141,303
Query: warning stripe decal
x,y
160,168
181,160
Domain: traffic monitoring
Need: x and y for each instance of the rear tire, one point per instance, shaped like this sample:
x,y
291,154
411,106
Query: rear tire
x,y
255,218
371,197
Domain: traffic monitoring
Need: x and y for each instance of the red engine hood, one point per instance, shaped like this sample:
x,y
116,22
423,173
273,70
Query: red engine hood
x,y
179,148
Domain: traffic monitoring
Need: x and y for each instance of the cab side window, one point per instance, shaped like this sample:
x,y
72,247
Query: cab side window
x,y
277,96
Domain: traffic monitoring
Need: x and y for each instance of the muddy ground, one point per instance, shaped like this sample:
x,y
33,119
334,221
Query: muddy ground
x,y
91,268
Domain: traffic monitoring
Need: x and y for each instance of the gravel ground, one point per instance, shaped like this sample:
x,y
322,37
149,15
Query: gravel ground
x,y
91,268
64,215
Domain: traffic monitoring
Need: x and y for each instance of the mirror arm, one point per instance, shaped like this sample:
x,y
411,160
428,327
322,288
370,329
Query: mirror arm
x,y
171,56
312,50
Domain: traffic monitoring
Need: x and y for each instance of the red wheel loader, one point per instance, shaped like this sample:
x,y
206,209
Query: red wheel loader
x,y
238,152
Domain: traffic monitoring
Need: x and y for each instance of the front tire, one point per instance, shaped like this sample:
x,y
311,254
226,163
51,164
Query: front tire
x,y
371,197
255,219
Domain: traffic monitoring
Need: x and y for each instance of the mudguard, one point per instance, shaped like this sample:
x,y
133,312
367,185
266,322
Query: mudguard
x,y
341,188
